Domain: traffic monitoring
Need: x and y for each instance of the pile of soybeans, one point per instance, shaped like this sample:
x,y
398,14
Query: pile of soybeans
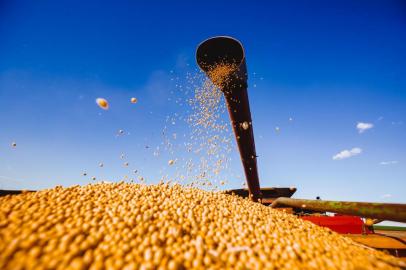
x,y
164,226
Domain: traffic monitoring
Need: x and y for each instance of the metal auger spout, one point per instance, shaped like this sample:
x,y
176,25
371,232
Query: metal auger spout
x,y
224,50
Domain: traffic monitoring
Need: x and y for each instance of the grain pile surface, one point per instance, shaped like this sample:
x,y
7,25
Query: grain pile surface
x,y
132,226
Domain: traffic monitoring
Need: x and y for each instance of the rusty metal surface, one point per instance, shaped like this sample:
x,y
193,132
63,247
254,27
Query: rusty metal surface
x,y
377,241
383,211
398,234
229,50
392,245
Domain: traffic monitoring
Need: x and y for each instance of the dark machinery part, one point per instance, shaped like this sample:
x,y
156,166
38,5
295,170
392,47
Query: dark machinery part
x,y
268,194
12,192
227,50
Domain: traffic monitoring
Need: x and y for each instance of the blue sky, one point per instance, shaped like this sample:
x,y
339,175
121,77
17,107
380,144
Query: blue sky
x,y
326,64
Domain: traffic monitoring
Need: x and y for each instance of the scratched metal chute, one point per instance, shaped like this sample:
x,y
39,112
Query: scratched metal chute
x,y
227,50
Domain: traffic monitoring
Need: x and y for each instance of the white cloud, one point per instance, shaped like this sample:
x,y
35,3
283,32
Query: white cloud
x,y
388,162
347,153
385,196
364,126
